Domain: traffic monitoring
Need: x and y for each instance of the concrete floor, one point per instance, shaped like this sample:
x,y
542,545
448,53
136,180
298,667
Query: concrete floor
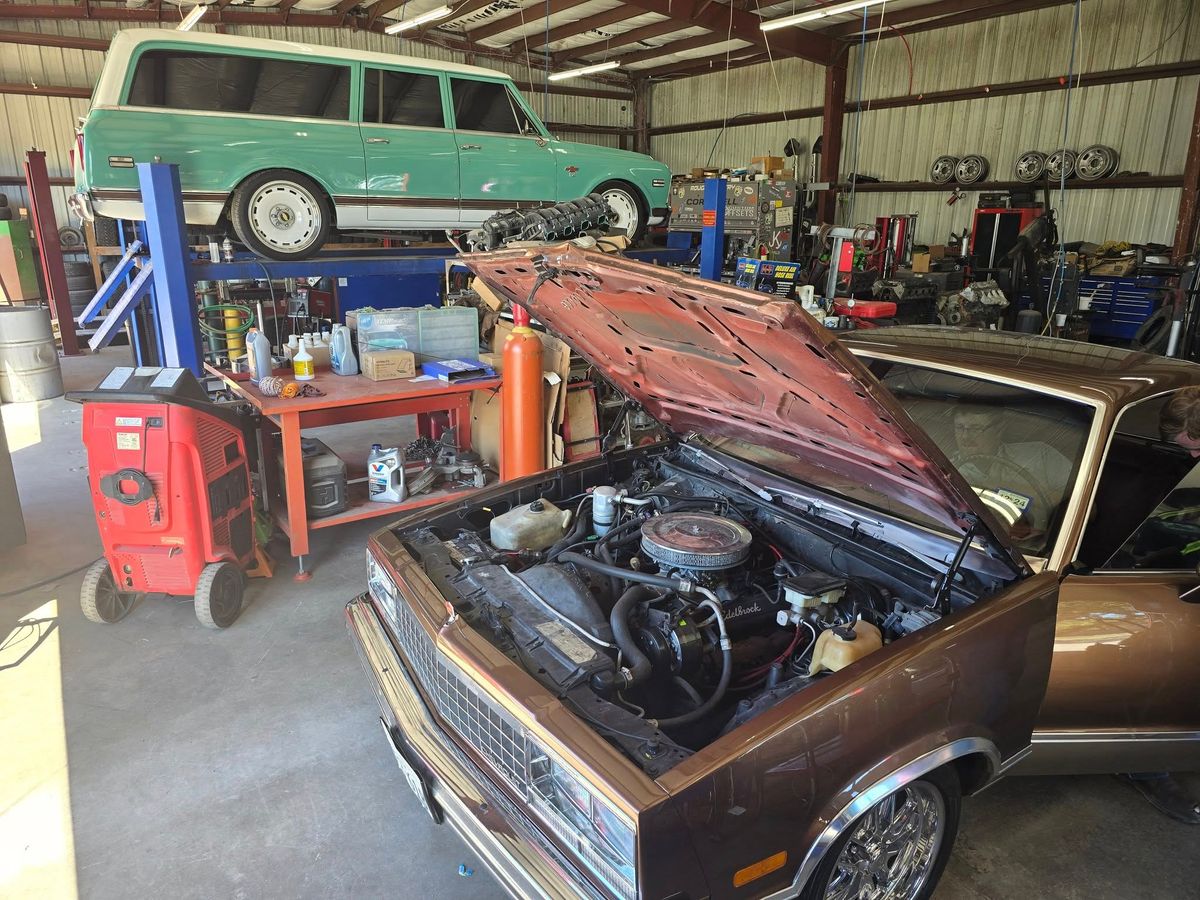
x,y
158,758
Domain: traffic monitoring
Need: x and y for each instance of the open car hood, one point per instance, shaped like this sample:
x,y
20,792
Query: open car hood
x,y
721,361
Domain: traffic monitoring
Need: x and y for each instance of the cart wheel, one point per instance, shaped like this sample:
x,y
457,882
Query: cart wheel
x,y
219,595
99,598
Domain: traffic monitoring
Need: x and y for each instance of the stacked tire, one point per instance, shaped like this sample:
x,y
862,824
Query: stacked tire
x,y
81,285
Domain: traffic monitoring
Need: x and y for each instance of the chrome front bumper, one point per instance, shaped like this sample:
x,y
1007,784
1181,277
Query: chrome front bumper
x,y
525,863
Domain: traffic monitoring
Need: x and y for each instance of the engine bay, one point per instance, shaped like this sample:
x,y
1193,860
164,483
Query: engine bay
x,y
670,606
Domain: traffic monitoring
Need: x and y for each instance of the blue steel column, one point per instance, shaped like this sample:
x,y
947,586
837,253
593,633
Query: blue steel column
x,y
166,235
712,232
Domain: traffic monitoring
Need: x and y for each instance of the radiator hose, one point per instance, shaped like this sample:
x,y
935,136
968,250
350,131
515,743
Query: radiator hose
x,y
637,665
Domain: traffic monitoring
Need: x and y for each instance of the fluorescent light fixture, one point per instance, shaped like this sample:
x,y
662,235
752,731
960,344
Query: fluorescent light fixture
x,y
195,14
586,70
821,12
416,21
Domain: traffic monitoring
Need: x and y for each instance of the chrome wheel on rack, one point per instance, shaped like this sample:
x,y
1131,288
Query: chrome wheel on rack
x,y
971,169
1096,162
1031,166
942,170
1061,164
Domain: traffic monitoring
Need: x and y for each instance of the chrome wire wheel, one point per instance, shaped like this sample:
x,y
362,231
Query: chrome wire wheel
x,y
942,170
285,216
1031,165
894,847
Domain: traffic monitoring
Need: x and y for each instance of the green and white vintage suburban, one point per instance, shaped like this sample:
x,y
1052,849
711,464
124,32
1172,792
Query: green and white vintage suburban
x,y
286,141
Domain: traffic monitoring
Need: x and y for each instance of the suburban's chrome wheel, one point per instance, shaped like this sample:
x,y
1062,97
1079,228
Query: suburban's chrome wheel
x,y
893,848
285,216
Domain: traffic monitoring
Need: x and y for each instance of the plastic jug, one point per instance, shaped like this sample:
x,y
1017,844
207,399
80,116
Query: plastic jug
x,y
534,526
258,352
385,474
341,352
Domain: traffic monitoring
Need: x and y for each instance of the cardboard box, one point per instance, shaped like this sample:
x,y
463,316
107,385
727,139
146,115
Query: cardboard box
x,y
937,251
767,163
921,262
783,174
384,365
495,360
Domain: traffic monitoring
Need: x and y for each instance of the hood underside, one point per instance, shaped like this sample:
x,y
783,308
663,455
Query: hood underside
x,y
720,361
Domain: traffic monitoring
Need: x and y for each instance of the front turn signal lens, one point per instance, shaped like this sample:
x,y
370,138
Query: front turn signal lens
x,y
757,870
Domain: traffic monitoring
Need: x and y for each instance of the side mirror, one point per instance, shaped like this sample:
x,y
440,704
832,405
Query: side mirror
x,y
1077,567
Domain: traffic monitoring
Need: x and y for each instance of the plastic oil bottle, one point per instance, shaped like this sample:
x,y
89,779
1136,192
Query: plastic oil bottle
x,y
258,352
385,474
341,353
303,368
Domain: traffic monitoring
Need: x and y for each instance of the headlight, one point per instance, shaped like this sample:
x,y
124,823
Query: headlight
x,y
380,585
603,838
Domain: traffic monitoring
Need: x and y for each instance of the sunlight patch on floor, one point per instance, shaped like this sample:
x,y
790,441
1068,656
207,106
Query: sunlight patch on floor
x,y
22,427
37,847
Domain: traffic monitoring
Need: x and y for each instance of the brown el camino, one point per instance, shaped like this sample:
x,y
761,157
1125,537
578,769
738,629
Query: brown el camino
x,y
769,657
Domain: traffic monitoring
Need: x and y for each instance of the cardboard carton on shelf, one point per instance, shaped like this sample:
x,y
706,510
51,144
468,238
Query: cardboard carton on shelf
x,y
385,365
767,163
921,262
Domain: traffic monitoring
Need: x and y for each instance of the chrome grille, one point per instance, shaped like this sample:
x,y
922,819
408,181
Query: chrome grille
x,y
461,705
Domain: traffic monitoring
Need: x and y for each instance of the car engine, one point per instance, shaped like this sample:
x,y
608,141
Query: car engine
x,y
664,611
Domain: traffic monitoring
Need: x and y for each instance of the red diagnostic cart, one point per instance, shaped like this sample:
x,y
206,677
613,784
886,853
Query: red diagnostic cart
x,y
170,486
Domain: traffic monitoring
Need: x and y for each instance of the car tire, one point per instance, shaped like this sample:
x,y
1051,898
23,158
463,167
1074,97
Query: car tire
x,y
80,300
280,214
99,598
936,793
626,202
81,282
5,213
218,594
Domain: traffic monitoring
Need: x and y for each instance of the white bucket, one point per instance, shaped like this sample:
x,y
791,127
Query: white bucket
x,y
29,367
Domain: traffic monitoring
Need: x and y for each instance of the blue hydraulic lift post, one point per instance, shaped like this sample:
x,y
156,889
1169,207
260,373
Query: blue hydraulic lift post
x,y
712,231
166,237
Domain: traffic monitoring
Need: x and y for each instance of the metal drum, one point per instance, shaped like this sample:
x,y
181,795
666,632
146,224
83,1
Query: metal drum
x,y
29,368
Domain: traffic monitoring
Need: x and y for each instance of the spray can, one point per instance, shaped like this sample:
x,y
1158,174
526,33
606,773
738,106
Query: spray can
x,y
258,352
341,353
385,474
303,367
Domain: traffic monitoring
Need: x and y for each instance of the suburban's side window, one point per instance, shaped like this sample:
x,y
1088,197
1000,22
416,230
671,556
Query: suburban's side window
x,y
1142,501
486,106
402,98
215,82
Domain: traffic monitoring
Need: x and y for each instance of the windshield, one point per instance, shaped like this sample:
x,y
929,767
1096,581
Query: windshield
x,y
1019,449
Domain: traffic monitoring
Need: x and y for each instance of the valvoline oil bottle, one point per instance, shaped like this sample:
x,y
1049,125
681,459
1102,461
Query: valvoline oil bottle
x,y
385,474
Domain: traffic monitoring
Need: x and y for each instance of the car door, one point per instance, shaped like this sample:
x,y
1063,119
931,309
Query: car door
x,y
1124,688
411,155
505,159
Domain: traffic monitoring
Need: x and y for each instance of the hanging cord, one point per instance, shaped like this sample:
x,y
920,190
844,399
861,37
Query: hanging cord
x,y
774,76
1178,25
1059,276
858,110
546,57
725,105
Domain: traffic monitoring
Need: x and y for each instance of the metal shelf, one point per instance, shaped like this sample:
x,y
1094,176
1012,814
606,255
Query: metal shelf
x,y
1129,182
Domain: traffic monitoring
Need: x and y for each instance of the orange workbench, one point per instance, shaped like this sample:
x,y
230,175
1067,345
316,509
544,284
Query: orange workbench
x,y
351,398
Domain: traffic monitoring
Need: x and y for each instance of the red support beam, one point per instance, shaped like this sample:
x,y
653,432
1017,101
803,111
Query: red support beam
x,y
45,230
739,23
1189,196
46,90
686,68
65,42
599,20
604,44
507,19
833,115
692,43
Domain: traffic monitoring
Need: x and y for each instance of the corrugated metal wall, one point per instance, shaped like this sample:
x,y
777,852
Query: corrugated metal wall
x,y
48,123
1147,122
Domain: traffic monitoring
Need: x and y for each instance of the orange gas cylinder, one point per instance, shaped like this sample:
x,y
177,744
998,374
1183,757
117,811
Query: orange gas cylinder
x,y
522,422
